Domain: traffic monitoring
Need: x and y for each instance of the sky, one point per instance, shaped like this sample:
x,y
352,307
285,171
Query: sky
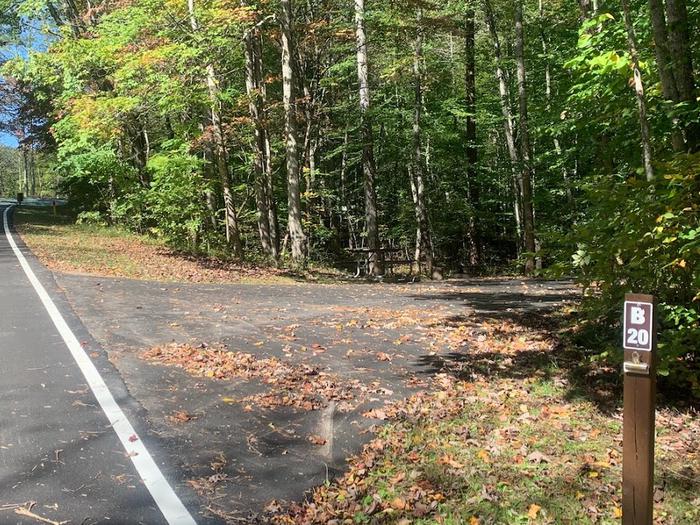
x,y
8,140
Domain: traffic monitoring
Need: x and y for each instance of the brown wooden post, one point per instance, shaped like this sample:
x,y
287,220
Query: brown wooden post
x,y
639,343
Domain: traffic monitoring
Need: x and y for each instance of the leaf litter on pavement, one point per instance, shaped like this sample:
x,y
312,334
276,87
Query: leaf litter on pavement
x,y
496,432
299,386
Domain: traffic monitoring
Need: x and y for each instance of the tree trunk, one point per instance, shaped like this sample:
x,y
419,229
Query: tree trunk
x,y
32,168
254,107
548,95
586,9
424,245
639,90
267,167
270,193
369,168
76,20
221,156
25,171
664,62
231,215
296,232
682,64
473,234
527,169
507,120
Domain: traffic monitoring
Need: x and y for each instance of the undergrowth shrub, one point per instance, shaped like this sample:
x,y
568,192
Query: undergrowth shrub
x,y
645,237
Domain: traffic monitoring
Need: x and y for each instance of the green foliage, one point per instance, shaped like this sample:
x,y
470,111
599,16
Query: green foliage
x,y
175,199
645,237
9,168
93,178
91,218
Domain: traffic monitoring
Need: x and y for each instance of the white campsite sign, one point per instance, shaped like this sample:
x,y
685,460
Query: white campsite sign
x,y
638,326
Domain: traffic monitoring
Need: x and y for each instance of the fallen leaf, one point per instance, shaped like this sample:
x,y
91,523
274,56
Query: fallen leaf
x,y
533,511
398,503
180,416
317,440
537,457
447,460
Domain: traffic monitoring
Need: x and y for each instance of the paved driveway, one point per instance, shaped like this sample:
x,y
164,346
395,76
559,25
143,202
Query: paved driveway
x,y
238,442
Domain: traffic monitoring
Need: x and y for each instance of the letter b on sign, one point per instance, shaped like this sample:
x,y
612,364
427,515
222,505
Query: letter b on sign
x,y
638,316
638,326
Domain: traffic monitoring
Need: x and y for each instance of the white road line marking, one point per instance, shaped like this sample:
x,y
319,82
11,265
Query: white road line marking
x,y
168,502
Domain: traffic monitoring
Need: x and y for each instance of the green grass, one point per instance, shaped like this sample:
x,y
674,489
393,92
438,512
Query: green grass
x,y
62,245
502,451
83,248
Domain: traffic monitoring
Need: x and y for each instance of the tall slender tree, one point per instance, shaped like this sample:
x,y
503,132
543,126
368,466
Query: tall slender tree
x,y
255,88
506,111
369,168
527,168
682,65
665,67
473,234
639,92
296,231
424,243
233,236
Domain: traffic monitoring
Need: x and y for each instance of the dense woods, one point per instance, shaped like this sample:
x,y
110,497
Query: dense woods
x,y
472,135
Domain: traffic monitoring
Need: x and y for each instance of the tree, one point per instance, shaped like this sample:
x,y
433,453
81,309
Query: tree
x,y
639,91
369,168
473,235
220,152
257,97
682,65
504,99
424,243
527,174
296,232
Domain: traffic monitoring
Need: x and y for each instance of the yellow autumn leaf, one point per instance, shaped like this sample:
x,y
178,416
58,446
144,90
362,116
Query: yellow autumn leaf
x,y
398,503
533,511
474,521
484,455
617,512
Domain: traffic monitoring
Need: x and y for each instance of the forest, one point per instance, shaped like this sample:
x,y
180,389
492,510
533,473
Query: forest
x,y
548,137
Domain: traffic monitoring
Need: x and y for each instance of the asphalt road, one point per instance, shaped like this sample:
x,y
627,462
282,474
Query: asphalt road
x,y
73,448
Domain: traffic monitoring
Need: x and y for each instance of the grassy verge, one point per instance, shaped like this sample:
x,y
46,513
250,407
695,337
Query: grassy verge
x,y
520,444
62,245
